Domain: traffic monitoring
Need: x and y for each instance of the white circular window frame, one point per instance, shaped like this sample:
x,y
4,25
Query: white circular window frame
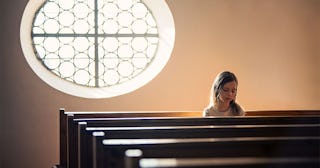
x,y
166,30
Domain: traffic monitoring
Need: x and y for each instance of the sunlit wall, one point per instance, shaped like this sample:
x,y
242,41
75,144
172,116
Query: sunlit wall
x,y
271,45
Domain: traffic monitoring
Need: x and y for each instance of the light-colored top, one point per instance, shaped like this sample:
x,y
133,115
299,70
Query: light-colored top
x,y
211,111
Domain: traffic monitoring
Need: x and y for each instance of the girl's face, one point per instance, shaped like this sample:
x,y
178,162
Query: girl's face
x,y
228,92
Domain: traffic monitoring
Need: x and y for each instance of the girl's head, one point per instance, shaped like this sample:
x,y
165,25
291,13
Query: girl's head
x,y
224,88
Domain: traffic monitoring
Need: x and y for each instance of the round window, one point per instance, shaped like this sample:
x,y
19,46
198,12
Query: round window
x,y
97,48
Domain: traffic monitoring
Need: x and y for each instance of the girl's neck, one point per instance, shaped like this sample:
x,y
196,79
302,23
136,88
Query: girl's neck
x,y
220,106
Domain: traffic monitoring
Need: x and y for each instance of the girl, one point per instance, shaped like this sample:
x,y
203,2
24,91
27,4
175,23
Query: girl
x,y
223,97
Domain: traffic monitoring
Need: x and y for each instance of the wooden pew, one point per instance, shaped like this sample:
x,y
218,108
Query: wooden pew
x,y
262,130
69,120
203,130
134,159
209,162
68,127
85,143
283,113
111,152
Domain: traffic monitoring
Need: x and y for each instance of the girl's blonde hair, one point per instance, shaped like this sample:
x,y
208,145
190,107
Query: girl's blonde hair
x,y
221,79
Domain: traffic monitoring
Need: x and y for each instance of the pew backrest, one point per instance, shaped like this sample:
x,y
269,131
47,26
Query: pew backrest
x,y
111,152
85,133
209,162
69,120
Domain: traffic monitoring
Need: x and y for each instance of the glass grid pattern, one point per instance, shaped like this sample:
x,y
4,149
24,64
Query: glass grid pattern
x,y
95,43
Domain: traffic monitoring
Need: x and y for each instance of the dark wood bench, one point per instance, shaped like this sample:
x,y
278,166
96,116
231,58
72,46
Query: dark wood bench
x,y
68,127
283,113
125,122
209,162
85,133
202,130
69,122
111,152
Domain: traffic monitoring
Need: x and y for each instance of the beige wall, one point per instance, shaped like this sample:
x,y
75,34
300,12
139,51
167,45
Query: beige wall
x,y
271,45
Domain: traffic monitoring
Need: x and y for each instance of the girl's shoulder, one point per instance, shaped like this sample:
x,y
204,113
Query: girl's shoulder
x,y
241,110
207,111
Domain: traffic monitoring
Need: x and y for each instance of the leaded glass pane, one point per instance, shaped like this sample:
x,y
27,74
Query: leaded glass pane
x,y
95,43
